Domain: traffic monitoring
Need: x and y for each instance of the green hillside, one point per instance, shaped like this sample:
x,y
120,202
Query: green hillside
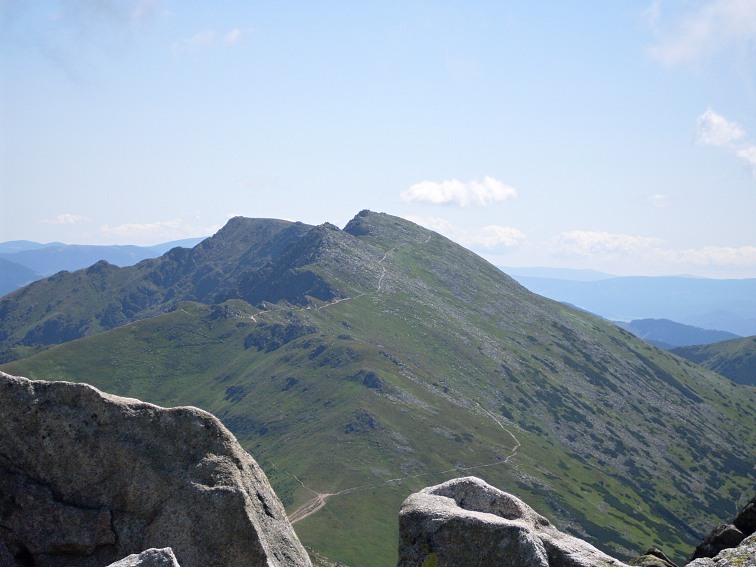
x,y
368,362
735,359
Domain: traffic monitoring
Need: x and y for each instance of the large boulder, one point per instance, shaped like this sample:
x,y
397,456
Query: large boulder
x,y
468,522
730,535
652,558
744,555
87,478
149,558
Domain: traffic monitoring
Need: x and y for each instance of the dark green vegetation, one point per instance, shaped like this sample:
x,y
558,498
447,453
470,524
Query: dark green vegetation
x,y
669,334
735,359
379,359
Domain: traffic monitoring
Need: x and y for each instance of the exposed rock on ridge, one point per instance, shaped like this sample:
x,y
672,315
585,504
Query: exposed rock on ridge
x,y
87,478
468,522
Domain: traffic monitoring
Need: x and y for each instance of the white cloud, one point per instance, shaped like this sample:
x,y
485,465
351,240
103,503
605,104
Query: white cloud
x,y
715,130
206,39
233,36
748,155
712,27
604,244
719,256
489,237
610,247
195,43
460,193
146,232
659,201
65,218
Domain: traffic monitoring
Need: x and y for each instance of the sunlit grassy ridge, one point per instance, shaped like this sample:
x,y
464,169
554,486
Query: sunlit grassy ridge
x,y
409,361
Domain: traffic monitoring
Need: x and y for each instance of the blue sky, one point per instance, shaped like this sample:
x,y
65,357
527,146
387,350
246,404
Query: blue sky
x,y
618,136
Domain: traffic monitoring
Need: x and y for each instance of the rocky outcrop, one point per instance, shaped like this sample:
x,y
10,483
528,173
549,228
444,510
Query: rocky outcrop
x,y
149,558
652,558
468,522
728,535
744,555
87,478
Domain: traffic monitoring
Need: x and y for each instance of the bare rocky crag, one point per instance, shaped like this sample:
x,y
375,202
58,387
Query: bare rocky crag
x,y
744,555
730,535
149,558
468,522
87,478
465,521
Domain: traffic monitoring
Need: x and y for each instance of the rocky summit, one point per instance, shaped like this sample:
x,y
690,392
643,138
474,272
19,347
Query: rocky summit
x,y
468,522
87,478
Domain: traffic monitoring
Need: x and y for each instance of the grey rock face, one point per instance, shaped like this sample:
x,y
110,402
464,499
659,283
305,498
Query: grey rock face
x,y
149,558
87,478
468,522
742,556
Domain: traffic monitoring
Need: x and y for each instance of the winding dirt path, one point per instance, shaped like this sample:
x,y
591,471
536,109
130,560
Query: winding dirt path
x,y
320,499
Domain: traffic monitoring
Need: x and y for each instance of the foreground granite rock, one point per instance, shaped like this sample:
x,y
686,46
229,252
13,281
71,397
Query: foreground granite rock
x,y
149,558
744,555
728,535
87,478
652,558
468,522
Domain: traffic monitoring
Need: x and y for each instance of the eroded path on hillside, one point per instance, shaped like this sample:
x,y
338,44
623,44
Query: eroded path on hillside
x,y
320,498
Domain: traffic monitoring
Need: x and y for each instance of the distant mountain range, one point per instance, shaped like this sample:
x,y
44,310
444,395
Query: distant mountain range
x,y
724,305
668,334
362,364
23,261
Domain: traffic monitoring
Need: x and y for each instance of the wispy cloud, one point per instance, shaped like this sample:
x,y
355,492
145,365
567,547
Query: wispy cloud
x,y
489,237
459,193
611,247
206,39
139,230
658,200
603,244
702,31
65,218
74,36
233,36
715,130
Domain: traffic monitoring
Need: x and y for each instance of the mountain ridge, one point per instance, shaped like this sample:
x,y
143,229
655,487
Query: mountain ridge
x,y
412,368
668,334
735,359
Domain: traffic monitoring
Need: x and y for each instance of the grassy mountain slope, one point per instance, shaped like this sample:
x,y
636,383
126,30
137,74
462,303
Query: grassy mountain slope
x,y
735,359
370,362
